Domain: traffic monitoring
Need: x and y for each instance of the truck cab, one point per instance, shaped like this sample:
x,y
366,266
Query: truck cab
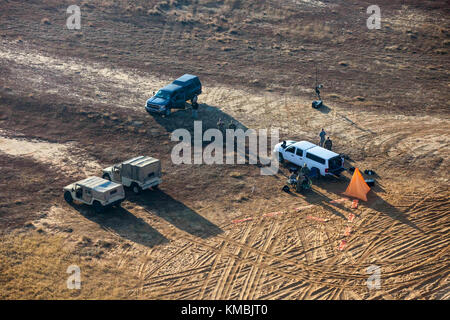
x,y
174,95
95,191
139,173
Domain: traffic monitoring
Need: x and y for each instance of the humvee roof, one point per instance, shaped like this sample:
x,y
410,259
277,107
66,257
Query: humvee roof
x,y
141,161
98,184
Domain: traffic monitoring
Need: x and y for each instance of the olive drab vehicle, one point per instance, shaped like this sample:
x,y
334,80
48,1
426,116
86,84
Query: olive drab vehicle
x,y
138,173
95,191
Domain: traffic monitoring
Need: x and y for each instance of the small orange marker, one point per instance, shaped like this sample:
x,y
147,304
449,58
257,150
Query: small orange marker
x,y
342,245
242,220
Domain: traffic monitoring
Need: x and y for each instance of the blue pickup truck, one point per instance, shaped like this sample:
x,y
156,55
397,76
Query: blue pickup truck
x,y
174,95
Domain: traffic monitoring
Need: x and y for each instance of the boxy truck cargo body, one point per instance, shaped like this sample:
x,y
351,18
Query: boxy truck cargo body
x,y
144,171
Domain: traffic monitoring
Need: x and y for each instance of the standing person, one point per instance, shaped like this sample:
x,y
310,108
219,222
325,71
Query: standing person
x,y
322,135
304,171
221,125
298,185
318,91
328,143
232,125
194,99
194,110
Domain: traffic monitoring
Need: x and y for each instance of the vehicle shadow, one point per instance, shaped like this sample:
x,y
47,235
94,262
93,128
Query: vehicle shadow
x,y
209,115
176,213
316,197
125,224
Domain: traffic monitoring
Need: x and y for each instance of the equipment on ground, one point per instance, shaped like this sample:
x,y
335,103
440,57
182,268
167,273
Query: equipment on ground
x,y
305,184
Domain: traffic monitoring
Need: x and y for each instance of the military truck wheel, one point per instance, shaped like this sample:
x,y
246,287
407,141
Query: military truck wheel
x,y
68,197
98,208
136,189
106,176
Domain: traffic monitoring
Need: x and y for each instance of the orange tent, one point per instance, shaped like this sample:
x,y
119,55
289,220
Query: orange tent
x,y
357,188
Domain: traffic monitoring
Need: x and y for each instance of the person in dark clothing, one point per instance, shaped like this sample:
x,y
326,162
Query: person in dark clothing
x,y
232,125
328,143
322,135
194,110
318,92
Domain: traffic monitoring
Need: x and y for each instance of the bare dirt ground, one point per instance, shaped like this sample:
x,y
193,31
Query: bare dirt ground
x,y
71,103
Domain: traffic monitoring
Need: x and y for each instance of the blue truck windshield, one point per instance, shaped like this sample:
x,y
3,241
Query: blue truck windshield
x,y
162,94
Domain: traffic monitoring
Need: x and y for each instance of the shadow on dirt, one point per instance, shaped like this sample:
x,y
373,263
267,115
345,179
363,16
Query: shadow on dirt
x,y
175,212
375,202
316,197
324,109
125,224
209,115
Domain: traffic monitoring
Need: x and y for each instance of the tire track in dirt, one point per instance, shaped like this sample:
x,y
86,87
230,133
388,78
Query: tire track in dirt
x,y
255,273
213,269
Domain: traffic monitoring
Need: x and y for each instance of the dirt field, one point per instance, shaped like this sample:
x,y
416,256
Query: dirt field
x,y
72,103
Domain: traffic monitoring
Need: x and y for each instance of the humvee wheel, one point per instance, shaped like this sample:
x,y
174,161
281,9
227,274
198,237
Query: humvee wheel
x,y
98,207
106,176
136,189
68,197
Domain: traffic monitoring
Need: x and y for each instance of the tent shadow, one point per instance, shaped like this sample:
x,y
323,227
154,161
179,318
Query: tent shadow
x,y
375,202
176,213
125,224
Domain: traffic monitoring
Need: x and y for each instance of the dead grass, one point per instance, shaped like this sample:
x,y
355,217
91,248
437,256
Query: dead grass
x,y
34,266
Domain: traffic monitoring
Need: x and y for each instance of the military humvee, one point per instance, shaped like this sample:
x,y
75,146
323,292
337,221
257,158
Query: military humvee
x,y
139,173
95,191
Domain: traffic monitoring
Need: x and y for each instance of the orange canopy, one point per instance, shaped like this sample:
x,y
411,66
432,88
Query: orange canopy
x,y
357,187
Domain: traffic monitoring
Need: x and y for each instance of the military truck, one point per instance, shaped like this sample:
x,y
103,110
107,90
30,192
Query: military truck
x,y
138,173
174,95
95,191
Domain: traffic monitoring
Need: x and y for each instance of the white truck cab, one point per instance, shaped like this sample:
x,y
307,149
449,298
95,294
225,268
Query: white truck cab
x,y
95,191
139,173
325,161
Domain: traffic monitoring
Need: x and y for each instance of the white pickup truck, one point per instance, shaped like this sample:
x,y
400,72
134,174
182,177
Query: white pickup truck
x,y
316,158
